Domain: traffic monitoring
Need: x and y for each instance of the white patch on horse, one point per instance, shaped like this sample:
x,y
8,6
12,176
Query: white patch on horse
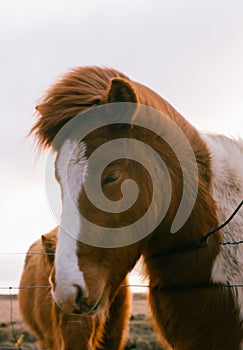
x,y
67,270
227,191
70,165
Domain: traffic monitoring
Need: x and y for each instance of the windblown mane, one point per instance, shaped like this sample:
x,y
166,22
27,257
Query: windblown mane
x,y
85,87
77,91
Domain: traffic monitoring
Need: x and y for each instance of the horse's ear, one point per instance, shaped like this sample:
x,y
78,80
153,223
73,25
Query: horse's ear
x,y
38,108
49,246
121,90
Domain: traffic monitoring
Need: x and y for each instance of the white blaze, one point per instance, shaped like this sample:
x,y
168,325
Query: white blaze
x,y
70,165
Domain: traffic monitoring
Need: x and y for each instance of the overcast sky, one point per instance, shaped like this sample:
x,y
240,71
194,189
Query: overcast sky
x,y
190,52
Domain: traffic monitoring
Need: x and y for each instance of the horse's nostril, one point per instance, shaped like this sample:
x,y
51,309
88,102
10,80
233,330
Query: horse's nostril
x,y
79,295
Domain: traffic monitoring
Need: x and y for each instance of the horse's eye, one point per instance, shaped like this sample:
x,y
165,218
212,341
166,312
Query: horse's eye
x,y
111,177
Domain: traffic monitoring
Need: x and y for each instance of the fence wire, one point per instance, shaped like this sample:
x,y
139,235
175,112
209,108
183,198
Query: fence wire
x,y
209,285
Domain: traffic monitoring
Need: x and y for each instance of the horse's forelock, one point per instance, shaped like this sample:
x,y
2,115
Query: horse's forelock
x,y
86,87
80,89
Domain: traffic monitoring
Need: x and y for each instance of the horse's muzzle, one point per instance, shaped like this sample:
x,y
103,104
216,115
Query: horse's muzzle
x,y
76,302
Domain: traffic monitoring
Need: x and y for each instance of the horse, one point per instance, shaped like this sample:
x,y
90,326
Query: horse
x,y
54,329
192,260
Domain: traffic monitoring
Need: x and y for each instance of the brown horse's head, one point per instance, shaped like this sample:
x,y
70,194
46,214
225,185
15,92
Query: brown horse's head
x,y
97,246
90,268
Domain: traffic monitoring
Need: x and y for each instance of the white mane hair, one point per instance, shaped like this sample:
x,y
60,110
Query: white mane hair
x,y
227,191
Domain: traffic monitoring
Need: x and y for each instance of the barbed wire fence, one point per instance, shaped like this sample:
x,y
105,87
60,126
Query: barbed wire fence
x,y
17,339
205,241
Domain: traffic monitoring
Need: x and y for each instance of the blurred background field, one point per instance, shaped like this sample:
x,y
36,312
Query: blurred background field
x,y
141,332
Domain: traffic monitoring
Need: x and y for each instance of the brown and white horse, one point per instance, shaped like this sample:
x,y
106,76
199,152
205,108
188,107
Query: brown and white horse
x,y
54,329
193,289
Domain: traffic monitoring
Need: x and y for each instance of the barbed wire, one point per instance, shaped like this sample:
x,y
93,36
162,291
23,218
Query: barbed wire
x,y
27,253
19,348
23,287
12,322
209,285
214,230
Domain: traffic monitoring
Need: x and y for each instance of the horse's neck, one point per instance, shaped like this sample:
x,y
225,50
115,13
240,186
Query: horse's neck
x,y
175,259
227,191
181,258
178,258
227,178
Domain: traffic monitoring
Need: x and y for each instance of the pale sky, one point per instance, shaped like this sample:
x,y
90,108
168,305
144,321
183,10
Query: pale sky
x,y
190,52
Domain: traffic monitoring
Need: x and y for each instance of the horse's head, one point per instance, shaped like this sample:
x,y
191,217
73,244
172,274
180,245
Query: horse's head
x,y
88,269
98,245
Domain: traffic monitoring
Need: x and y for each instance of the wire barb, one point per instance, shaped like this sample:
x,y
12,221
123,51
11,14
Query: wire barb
x,y
24,287
28,253
211,232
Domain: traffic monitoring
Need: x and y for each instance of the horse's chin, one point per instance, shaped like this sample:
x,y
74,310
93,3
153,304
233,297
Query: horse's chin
x,y
86,307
